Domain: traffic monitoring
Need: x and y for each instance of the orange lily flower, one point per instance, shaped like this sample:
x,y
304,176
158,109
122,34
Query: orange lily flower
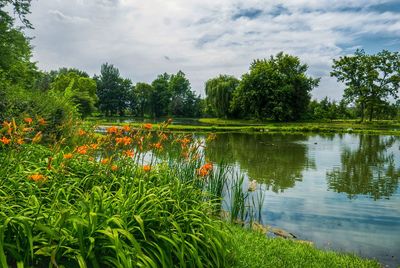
x,y
5,141
129,153
82,149
146,168
68,156
148,126
82,132
36,177
112,129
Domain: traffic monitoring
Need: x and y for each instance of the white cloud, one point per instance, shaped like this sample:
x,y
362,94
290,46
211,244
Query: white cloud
x,y
202,38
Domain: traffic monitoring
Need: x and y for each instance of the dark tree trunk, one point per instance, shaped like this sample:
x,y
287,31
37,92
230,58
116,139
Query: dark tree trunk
x,y
371,113
362,112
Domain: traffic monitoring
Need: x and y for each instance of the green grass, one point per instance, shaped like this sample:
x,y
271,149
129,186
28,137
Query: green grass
x,y
220,126
252,249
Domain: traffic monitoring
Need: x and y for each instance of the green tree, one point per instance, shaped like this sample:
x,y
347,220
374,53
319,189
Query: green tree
x,y
370,79
143,94
81,90
16,67
44,79
183,101
20,8
219,92
112,90
276,88
161,95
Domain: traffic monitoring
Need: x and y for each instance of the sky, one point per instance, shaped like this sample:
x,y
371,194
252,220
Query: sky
x,y
205,38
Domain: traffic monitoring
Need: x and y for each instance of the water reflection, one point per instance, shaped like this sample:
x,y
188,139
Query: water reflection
x,y
276,160
367,170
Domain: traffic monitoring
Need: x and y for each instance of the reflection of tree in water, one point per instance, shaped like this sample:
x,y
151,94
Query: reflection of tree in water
x,y
369,170
276,160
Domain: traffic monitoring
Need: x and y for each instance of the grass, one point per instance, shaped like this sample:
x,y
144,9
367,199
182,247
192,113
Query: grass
x,y
382,127
252,249
131,198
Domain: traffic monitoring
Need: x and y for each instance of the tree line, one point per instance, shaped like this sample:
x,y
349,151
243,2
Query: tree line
x,y
276,88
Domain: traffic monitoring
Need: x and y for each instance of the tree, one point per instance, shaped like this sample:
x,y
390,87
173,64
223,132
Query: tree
x,y
112,90
81,90
370,79
276,88
20,7
143,93
15,50
161,95
44,79
219,92
183,101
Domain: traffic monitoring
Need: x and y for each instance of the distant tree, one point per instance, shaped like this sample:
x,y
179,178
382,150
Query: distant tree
x,y
183,100
112,90
81,90
143,93
219,92
161,95
276,88
45,79
370,79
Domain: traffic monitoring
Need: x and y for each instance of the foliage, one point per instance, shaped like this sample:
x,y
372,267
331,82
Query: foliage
x,y
64,207
276,88
15,50
327,109
183,101
370,79
143,99
167,95
112,90
81,90
57,111
219,92
20,7
161,95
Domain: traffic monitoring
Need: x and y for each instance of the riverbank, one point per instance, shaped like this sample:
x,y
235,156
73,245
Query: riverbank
x,y
382,127
251,249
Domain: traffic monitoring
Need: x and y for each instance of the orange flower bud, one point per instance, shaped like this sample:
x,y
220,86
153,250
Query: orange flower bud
x,y
68,156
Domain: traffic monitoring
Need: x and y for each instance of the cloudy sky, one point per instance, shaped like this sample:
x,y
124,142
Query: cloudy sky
x,y
205,38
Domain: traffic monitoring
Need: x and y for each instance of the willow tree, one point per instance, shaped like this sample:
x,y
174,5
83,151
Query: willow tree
x,y
219,92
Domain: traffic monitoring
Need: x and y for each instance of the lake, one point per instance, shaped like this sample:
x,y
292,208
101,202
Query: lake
x,y
340,191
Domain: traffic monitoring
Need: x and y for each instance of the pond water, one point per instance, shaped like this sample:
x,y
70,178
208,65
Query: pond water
x,y
339,191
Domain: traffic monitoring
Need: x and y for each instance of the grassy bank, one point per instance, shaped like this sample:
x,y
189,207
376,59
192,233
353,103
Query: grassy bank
x,y
225,125
253,250
130,198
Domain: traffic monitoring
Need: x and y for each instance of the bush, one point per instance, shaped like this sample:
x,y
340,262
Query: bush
x,y
58,112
